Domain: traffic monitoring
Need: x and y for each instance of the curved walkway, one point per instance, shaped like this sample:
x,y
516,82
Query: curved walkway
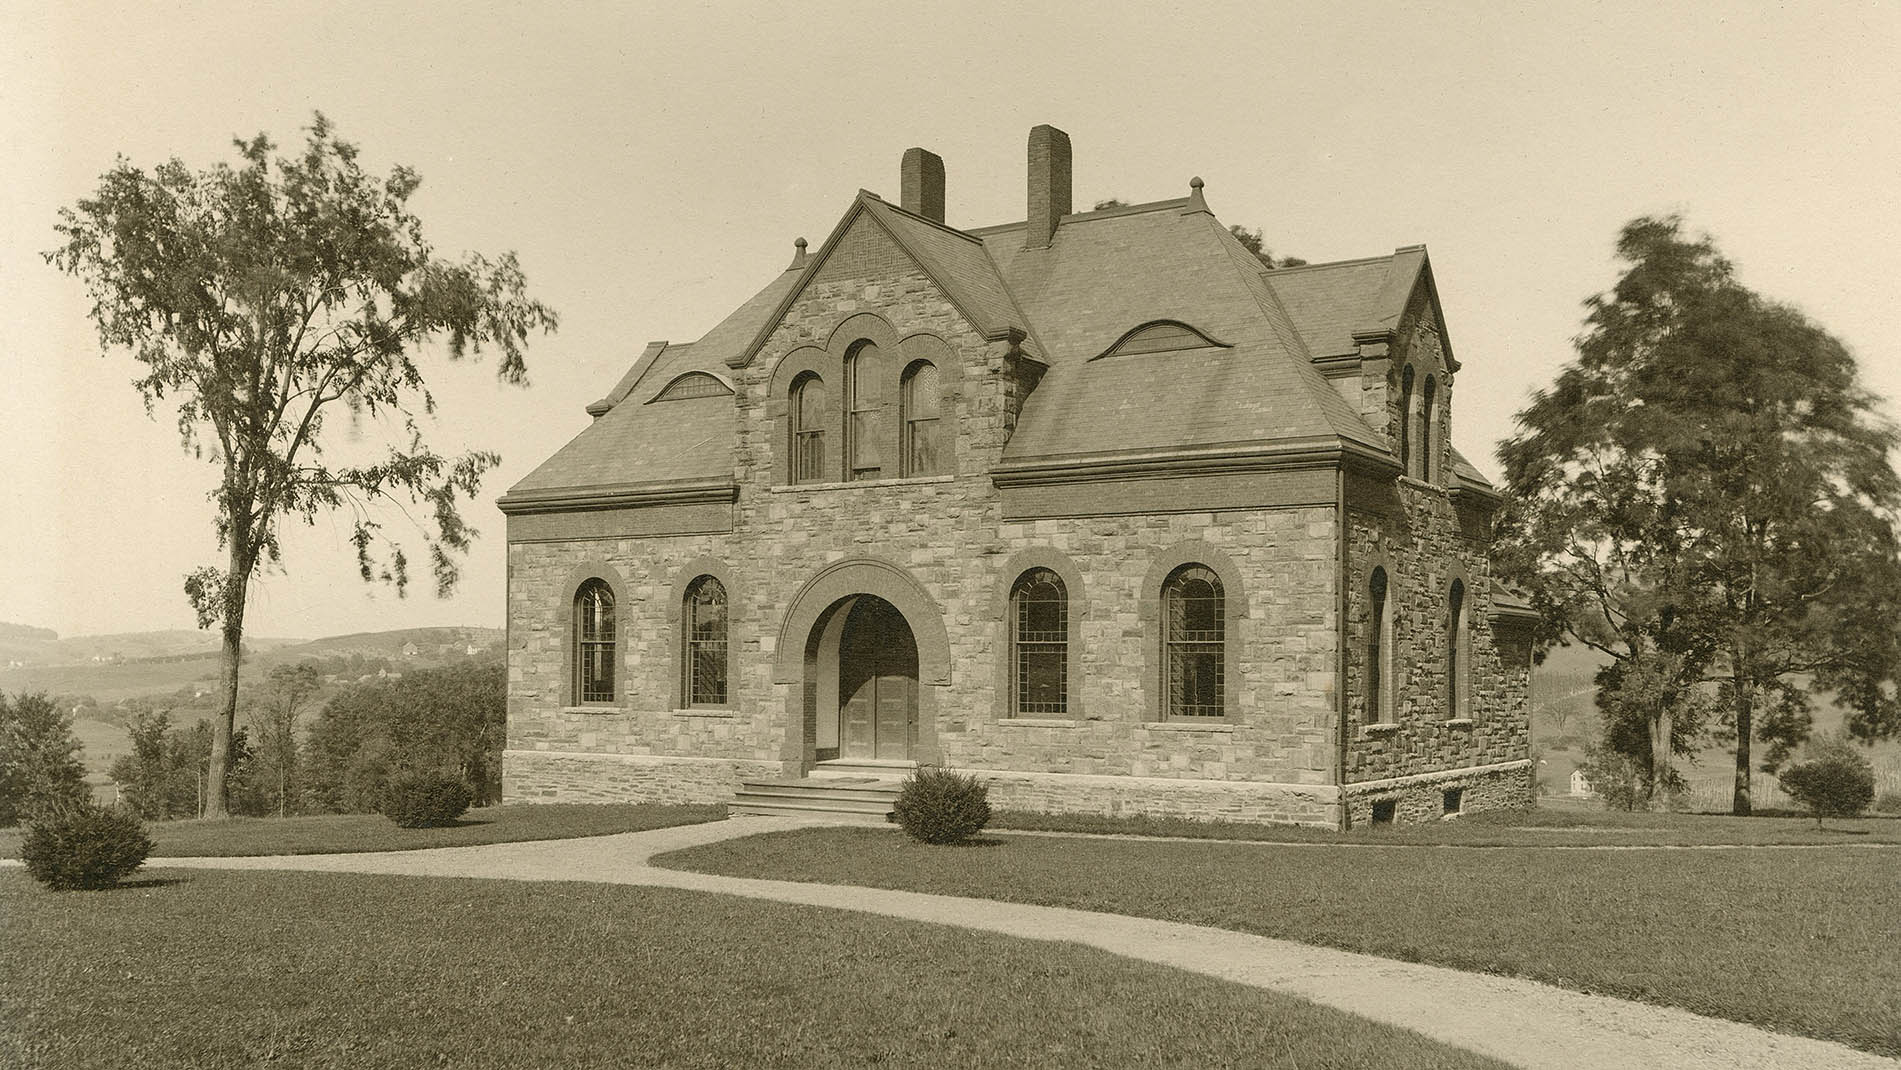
x,y
1521,1022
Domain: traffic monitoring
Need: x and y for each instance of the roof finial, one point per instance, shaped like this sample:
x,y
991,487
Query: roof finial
x,y
1195,201
798,255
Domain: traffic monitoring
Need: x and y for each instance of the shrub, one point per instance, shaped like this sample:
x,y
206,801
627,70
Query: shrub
x,y
1888,802
938,805
85,846
425,800
1836,780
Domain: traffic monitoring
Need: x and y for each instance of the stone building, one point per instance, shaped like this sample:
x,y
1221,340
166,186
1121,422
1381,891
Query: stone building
x,y
1094,504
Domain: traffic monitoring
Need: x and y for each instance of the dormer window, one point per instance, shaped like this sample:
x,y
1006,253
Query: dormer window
x,y
693,385
1160,336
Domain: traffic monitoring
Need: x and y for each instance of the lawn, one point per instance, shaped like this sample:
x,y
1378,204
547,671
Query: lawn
x,y
1801,941
349,833
1503,828
210,970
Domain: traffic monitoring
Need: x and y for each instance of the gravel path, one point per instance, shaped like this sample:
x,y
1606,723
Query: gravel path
x,y
1521,1022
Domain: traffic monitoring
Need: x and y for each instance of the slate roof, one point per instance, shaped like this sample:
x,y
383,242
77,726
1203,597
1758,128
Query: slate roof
x,y
1104,274
640,441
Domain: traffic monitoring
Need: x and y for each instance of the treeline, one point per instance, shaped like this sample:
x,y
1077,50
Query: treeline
x,y
447,720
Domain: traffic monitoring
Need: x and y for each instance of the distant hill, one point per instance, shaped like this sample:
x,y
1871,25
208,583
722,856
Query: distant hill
x,y
394,643
131,665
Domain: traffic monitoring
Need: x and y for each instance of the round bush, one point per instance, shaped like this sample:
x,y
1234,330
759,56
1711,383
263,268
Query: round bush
x,y
937,805
1837,782
85,847
425,800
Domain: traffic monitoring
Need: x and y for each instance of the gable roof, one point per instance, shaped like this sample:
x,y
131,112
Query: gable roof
x,y
954,260
1105,277
1107,273
690,438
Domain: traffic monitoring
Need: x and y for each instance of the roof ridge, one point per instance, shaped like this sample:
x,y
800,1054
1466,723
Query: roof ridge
x,y
1298,268
1083,217
1338,416
937,223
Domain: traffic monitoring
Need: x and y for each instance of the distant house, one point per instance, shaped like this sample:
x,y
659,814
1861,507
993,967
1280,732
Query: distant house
x,y
1580,784
409,650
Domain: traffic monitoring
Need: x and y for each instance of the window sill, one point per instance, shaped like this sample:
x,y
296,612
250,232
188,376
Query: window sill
x,y
706,711
604,707
1041,722
1210,725
1459,722
1382,728
860,484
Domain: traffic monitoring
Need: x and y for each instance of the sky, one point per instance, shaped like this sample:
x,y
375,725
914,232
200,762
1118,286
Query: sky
x,y
652,165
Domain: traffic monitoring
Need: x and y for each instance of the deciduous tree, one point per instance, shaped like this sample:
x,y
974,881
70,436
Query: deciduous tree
x,y
1710,481
275,766
262,298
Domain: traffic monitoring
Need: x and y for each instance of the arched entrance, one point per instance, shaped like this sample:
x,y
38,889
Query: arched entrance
x,y
865,651
877,682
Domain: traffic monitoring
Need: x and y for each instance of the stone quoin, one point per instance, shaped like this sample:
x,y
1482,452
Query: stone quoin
x,y
1097,506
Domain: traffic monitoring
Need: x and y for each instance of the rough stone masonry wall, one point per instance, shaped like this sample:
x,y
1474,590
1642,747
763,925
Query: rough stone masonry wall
x,y
949,536
1419,536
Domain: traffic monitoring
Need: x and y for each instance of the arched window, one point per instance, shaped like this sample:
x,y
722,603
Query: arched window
x,y
1378,643
705,647
808,430
1194,630
1406,421
1039,644
1428,446
594,642
918,401
862,401
1457,649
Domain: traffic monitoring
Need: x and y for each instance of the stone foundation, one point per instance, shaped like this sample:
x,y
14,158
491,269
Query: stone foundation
x,y
560,777
1202,800
1422,797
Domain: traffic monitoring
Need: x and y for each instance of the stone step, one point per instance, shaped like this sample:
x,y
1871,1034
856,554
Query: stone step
x,y
863,768
857,799
828,811
819,791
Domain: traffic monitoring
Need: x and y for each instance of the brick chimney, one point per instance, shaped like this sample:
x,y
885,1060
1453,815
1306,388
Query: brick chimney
x,y
1049,184
922,183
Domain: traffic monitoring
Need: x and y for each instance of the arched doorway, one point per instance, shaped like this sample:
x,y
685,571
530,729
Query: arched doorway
x,y
863,683
897,658
877,682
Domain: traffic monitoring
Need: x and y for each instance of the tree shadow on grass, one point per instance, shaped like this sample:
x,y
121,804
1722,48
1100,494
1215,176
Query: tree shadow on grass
x,y
145,882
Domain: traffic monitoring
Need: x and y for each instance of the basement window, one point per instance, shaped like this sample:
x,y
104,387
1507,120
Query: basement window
x,y
1454,800
1383,811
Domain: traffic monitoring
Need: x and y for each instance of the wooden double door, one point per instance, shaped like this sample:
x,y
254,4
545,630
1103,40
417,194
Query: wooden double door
x,y
877,682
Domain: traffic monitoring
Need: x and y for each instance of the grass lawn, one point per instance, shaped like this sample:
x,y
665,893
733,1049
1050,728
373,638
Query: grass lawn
x,y
345,833
208,969
1510,828
1801,941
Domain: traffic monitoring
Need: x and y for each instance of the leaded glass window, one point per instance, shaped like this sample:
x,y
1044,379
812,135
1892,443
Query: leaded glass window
x,y
808,430
1455,651
862,404
1195,635
919,400
1376,640
594,642
706,643
1040,644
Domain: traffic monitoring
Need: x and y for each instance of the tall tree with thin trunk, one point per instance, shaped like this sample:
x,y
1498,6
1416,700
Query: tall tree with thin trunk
x,y
260,299
1710,475
275,725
